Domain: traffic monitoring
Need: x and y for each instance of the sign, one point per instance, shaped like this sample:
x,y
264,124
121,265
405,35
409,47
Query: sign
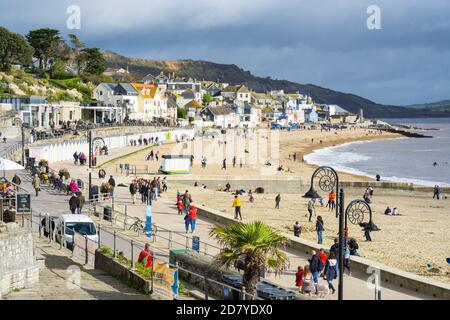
x,y
23,202
165,280
148,222
196,243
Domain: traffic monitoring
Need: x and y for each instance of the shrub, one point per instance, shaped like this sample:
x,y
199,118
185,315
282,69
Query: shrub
x,y
64,173
43,163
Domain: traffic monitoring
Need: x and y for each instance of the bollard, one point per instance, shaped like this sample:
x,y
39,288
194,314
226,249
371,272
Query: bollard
x,y
114,253
243,293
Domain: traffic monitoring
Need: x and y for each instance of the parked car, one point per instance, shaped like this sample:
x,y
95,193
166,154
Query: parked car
x,y
68,224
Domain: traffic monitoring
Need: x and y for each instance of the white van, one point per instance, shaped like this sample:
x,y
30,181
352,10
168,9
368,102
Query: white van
x,y
70,223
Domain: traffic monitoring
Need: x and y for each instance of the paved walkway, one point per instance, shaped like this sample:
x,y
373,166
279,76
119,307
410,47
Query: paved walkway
x,y
164,215
61,278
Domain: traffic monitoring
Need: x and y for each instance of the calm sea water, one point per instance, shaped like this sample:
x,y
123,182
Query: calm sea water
x,y
400,160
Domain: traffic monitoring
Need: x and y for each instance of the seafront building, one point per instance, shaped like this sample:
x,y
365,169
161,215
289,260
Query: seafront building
x,y
180,101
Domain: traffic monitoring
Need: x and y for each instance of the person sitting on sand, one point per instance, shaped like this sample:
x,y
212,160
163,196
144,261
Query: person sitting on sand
x,y
388,211
228,187
395,212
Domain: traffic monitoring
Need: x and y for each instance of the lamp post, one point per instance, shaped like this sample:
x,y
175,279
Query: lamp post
x,y
89,137
328,180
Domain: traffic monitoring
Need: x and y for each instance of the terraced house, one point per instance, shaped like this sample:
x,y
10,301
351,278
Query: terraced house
x,y
152,102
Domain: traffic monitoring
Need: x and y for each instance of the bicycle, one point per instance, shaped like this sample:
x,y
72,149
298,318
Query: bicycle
x,y
139,227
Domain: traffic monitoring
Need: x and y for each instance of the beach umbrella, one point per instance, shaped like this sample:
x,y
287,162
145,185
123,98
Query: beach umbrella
x,y
8,165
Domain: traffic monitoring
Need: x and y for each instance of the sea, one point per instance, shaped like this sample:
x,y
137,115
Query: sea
x,y
408,160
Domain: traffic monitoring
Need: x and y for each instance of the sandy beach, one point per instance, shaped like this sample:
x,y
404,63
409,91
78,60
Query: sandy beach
x,y
408,242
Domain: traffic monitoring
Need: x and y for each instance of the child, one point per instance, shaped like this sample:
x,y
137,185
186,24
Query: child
x,y
180,207
299,278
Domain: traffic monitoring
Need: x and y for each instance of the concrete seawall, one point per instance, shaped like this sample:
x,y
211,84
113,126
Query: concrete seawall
x,y
388,274
291,185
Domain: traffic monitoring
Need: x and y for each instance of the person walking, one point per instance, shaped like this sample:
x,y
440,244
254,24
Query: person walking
x,y
297,229
319,229
75,158
224,164
311,208
234,161
335,247
367,229
347,259
187,222
437,192
237,208
36,184
331,200
315,267
133,190
74,203
331,271
81,202
187,199
299,278
277,201
193,217
17,181
112,182
180,207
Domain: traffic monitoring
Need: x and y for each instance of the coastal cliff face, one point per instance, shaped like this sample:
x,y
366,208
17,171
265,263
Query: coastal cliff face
x,y
232,74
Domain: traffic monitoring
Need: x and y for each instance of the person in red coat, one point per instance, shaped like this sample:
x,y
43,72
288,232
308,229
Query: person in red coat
x,y
145,257
193,217
299,278
323,259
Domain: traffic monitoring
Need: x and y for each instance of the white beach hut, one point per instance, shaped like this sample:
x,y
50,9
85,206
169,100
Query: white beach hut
x,y
176,164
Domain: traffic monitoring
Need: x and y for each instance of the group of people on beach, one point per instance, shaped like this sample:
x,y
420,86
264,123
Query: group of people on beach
x,y
148,189
152,156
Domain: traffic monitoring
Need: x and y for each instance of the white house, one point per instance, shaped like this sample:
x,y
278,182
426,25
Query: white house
x,y
222,117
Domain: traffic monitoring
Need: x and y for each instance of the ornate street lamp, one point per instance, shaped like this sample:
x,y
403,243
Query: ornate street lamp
x,y
356,211
98,141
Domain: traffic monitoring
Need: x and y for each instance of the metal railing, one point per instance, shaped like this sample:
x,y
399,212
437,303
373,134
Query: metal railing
x,y
131,169
129,248
170,239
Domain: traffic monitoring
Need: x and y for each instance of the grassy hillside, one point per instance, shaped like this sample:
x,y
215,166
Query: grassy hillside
x,y
19,82
235,75
442,106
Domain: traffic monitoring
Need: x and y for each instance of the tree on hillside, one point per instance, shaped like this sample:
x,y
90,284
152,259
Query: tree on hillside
x,y
207,98
13,47
255,242
45,42
77,47
92,61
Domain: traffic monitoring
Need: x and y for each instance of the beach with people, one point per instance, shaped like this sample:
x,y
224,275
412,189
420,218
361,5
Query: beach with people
x,y
412,241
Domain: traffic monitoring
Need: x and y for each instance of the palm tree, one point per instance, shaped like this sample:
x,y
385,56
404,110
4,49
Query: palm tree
x,y
257,242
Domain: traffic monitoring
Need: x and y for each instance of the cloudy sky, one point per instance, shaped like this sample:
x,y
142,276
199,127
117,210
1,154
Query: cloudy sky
x,y
323,42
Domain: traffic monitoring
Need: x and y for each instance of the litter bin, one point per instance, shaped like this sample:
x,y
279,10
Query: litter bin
x,y
234,281
93,193
107,213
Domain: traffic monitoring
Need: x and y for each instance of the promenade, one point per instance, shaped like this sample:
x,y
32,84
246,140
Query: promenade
x,y
165,216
